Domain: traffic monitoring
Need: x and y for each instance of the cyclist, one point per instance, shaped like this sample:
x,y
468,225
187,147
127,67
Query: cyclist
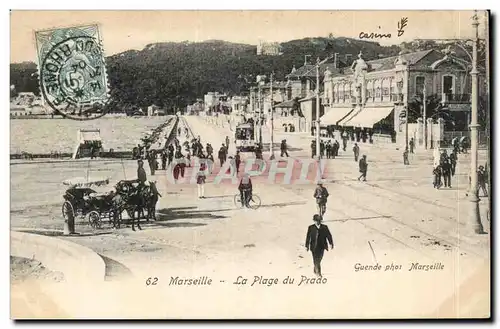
x,y
245,188
321,195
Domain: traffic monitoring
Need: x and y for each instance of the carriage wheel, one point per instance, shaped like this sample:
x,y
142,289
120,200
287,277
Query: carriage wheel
x,y
237,201
254,202
94,219
67,210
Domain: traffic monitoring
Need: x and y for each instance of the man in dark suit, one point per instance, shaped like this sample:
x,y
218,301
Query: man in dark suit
x,y
317,239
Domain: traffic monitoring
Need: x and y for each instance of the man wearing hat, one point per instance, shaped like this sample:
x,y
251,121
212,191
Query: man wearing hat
x,y
321,195
317,239
141,173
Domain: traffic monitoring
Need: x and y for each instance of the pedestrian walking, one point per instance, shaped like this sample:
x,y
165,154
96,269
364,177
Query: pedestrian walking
x,y
321,195
355,150
437,171
322,148
201,179
222,155
446,172
170,154
210,151
151,157
344,141
141,173
482,178
284,148
258,152
317,238
335,149
405,157
412,145
163,159
237,161
329,150
453,161
313,148
177,168
363,168
227,142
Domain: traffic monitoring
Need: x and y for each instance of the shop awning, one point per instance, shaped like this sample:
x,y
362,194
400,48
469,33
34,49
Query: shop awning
x,y
334,115
369,116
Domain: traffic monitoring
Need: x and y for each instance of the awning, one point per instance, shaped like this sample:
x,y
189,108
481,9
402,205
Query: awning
x,y
369,116
285,104
334,115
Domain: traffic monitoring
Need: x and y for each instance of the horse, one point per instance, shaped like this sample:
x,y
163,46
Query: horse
x,y
136,200
151,196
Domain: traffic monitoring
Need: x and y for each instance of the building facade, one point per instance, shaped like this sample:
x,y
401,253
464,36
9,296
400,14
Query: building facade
x,y
301,86
376,95
214,99
269,48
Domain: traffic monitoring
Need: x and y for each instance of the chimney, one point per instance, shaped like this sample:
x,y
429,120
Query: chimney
x,y
336,60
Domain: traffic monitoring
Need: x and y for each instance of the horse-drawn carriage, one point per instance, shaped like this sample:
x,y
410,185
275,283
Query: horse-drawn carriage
x,y
81,201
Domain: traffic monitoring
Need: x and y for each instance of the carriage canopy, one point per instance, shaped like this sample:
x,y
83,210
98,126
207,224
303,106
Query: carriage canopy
x,y
86,181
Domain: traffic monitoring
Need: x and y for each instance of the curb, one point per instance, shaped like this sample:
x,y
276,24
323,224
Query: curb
x,y
77,263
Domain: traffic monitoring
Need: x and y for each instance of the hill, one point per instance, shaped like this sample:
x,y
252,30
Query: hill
x,y
176,73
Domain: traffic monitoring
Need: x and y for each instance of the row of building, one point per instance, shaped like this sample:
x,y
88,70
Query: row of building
x,y
373,95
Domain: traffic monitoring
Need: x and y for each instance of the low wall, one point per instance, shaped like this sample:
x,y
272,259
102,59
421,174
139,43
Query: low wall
x,y
78,264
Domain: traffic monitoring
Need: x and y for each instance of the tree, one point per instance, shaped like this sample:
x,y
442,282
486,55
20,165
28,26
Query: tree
x,y
296,107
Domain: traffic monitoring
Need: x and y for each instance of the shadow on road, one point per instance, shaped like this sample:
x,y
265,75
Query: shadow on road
x,y
167,214
276,146
283,204
220,196
179,224
60,233
356,218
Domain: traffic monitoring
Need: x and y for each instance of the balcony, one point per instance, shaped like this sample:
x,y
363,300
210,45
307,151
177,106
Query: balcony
x,y
455,98
397,98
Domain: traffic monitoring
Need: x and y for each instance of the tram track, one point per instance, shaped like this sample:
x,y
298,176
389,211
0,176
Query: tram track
x,y
388,235
402,223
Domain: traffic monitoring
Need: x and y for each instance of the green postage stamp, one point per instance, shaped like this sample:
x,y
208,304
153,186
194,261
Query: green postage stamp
x,y
72,71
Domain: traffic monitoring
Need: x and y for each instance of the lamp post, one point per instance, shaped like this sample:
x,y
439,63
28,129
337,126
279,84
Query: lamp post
x,y
318,139
474,215
424,98
271,148
407,78
257,117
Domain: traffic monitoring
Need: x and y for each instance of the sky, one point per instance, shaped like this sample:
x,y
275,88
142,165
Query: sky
x,y
124,30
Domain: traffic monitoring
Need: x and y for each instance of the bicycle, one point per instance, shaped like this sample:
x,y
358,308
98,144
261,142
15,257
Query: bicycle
x,y
253,203
321,208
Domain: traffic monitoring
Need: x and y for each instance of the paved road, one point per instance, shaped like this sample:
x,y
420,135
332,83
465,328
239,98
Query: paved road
x,y
396,218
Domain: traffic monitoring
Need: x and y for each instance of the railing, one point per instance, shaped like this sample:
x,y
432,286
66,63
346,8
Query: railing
x,y
455,98
449,135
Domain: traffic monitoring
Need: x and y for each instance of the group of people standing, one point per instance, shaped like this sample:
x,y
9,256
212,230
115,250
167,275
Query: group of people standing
x,y
444,167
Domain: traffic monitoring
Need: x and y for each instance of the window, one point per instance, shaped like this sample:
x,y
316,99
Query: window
x,y
419,85
378,93
386,91
448,84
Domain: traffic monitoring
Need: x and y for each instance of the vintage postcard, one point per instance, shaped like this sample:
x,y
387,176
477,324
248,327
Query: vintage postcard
x,y
250,164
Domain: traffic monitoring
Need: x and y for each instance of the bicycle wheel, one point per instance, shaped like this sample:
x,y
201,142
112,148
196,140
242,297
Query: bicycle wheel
x,y
237,201
254,202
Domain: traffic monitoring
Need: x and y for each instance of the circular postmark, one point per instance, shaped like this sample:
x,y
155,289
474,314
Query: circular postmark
x,y
73,78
